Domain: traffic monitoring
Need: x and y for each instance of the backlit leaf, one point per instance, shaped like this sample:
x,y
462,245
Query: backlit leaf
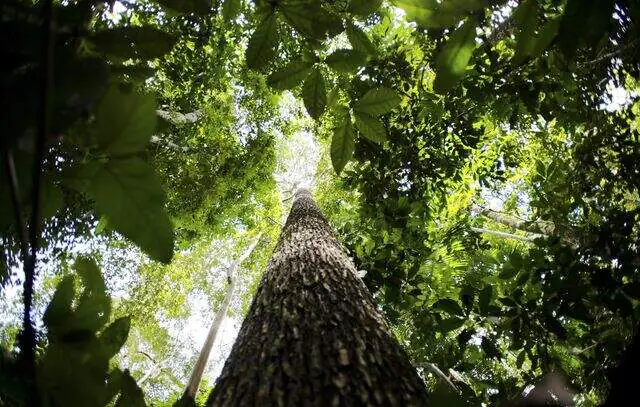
x,y
129,194
342,144
290,76
378,101
314,94
451,63
359,40
263,43
370,127
346,60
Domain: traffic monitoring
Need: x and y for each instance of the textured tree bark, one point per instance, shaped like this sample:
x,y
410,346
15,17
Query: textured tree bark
x,y
313,335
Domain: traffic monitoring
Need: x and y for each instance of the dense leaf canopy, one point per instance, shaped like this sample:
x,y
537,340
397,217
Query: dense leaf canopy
x,y
479,159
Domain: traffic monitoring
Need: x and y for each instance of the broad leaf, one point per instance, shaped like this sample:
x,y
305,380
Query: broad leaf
x,y
490,348
484,299
342,144
363,8
309,19
263,43
130,393
290,76
378,101
200,7
133,42
346,60
129,194
231,9
370,127
359,40
438,14
114,336
314,94
59,309
124,121
527,17
449,306
450,324
546,36
94,305
451,63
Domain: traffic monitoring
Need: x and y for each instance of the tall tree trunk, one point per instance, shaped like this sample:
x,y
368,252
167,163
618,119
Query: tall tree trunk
x,y
198,370
313,335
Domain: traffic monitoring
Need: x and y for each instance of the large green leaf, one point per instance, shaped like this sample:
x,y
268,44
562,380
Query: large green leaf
x,y
309,19
94,305
527,17
59,310
359,40
484,299
314,94
200,7
546,36
133,42
438,14
263,43
451,63
290,76
124,121
370,127
363,8
114,336
231,9
378,101
449,306
342,144
129,194
346,60
130,393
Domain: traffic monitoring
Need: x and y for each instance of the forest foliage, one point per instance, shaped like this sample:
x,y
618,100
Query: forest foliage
x,y
480,160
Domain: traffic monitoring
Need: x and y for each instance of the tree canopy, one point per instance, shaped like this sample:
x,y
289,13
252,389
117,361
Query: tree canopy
x,y
479,159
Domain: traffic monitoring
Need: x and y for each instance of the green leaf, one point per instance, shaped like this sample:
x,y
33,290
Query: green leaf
x,y
231,9
309,19
359,40
363,8
484,299
124,122
59,309
200,7
130,394
129,194
527,17
346,60
508,272
450,324
314,94
438,14
114,336
133,42
546,36
263,43
449,306
451,63
290,76
490,348
378,101
520,359
370,127
342,144
94,306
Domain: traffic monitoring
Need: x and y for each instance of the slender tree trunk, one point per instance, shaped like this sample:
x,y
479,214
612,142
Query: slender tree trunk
x,y
313,335
198,370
